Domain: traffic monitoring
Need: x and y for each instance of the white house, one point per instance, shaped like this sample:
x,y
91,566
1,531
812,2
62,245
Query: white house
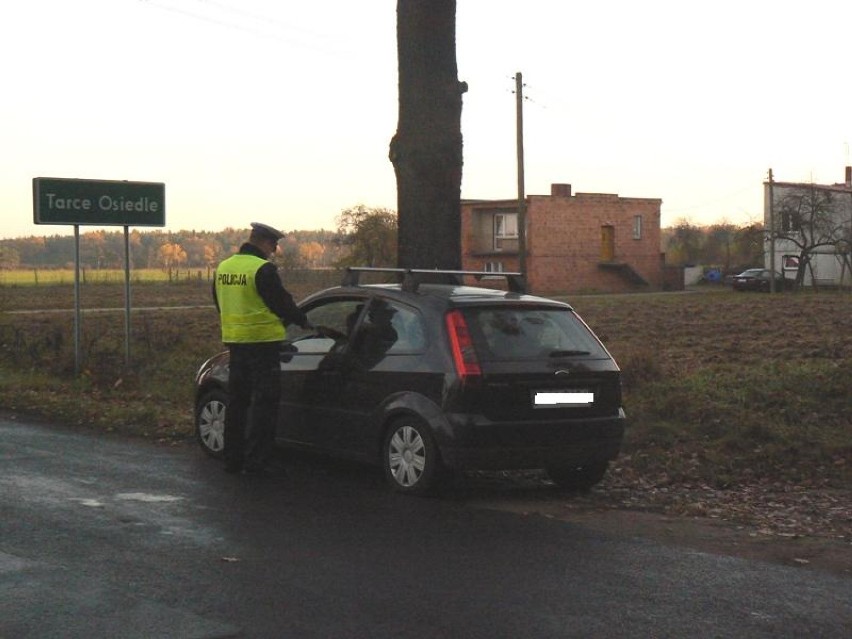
x,y
818,215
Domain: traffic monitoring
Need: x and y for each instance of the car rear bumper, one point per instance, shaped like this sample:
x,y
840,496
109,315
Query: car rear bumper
x,y
474,442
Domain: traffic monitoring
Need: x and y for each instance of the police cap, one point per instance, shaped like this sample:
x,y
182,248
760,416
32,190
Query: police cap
x,y
266,231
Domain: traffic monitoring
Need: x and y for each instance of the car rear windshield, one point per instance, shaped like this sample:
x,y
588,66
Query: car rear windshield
x,y
530,333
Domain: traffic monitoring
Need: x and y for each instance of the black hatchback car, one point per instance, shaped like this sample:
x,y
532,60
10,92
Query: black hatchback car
x,y
760,279
420,378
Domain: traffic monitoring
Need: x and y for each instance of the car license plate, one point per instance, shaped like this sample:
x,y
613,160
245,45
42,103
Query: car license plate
x,y
554,399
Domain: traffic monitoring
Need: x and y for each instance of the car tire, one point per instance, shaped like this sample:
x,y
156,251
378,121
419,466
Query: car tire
x,y
410,457
578,478
210,422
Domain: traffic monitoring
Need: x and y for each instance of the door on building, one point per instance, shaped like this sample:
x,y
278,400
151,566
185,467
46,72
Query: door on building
x,y
607,243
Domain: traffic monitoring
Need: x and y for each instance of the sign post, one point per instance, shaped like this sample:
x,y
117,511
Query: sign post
x,y
77,325
99,203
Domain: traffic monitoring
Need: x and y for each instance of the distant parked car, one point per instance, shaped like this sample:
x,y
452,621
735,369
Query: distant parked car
x,y
418,378
759,279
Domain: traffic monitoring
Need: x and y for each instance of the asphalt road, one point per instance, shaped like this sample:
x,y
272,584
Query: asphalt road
x,y
105,537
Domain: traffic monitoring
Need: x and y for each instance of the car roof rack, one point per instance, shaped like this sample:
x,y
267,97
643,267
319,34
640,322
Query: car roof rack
x,y
411,278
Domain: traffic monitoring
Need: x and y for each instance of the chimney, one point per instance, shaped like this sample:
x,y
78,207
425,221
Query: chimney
x,y
564,190
849,177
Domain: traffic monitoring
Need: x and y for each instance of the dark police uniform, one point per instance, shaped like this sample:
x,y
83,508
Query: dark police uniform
x,y
253,307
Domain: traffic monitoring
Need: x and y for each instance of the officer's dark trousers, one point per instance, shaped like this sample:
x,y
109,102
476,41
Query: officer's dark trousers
x,y
254,391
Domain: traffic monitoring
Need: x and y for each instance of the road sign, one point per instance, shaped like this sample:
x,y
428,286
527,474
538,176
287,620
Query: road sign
x,y
98,202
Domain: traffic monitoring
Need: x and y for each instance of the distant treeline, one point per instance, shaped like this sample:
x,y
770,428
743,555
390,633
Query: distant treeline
x,y
365,236
167,250
728,246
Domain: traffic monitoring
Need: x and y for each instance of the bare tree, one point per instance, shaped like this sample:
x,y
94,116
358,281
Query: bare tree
x,y
719,244
684,243
844,251
724,244
808,219
371,235
426,150
749,245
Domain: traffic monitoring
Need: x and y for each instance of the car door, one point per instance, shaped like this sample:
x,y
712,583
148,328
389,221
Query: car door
x,y
312,371
385,359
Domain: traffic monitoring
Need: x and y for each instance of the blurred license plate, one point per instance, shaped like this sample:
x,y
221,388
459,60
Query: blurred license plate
x,y
549,399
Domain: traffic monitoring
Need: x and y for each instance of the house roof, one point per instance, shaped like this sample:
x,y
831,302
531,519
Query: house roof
x,y
840,188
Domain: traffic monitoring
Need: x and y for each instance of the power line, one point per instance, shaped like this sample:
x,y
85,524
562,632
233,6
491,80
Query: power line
x,y
524,96
563,106
248,28
260,18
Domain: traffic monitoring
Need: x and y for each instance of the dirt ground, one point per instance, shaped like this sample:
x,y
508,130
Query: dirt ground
x,y
811,530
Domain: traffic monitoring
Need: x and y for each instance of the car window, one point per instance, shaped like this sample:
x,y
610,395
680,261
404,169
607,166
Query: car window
x,y
409,328
337,315
389,328
527,333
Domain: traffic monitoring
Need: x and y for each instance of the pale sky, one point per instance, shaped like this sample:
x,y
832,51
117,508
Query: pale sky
x,y
281,112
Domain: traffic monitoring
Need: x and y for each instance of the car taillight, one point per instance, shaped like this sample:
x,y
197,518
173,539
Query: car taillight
x,y
464,354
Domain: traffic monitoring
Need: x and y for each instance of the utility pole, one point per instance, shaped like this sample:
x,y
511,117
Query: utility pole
x,y
522,202
771,234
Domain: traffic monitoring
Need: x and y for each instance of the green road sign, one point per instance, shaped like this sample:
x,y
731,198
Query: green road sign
x,y
98,202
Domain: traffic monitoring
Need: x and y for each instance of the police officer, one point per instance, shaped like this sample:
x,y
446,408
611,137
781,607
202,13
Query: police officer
x,y
254,308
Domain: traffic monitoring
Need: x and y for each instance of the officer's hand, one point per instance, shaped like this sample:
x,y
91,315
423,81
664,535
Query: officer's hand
x,y
327,331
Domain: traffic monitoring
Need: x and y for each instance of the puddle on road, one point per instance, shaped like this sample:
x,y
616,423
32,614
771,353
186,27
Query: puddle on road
x,y
147,497
91,503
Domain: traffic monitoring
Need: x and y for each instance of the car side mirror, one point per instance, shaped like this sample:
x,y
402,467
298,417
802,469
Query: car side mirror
x,y
286,353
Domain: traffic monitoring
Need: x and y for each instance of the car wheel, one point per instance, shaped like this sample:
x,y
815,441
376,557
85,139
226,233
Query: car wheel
x,y
580,478
210,422
410,457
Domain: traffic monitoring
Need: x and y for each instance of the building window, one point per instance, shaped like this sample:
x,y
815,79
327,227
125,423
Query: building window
x,y
494,267
637,227
791,221
790,262
505,228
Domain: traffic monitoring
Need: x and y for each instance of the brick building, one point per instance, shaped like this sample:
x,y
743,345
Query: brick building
x,y
575,242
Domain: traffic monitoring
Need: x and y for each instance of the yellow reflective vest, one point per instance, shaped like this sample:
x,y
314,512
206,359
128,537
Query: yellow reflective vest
x,y
245,317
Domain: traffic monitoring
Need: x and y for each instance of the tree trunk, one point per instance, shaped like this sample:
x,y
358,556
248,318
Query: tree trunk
x,y
426,151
